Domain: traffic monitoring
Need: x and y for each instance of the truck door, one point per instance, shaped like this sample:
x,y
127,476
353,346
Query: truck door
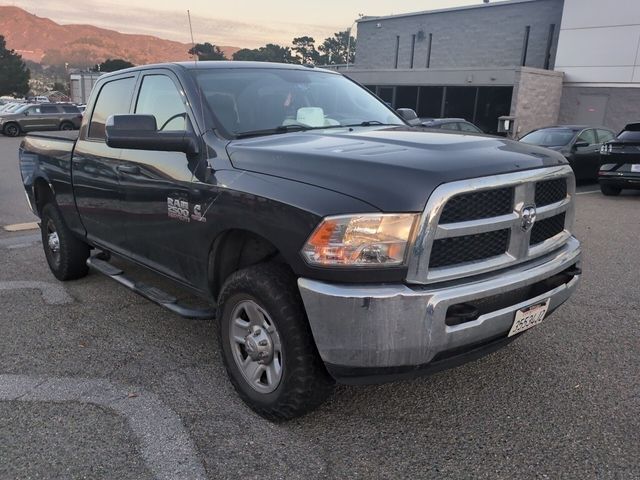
x,y
159,208
95,167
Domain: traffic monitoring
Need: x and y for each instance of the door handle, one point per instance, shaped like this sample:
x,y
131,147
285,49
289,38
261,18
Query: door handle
x,y
130,169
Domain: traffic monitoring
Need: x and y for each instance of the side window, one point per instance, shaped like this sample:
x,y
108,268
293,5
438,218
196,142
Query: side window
x,y
33,110
114,98
48,109
450,126
467,127
70,109
160,97
604,136
588,136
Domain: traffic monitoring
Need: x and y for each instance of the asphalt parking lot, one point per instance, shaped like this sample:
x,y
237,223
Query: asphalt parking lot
x,y
96,382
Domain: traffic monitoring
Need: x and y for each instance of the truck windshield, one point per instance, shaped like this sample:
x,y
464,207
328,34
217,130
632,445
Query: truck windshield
x,y
549,137
262,101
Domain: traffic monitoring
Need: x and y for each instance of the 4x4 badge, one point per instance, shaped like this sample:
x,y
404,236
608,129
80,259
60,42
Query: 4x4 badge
x,y
528,217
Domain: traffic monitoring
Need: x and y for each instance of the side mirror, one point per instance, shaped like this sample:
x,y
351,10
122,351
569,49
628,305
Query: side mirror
x,y
140,132
408,115
26,113
580,145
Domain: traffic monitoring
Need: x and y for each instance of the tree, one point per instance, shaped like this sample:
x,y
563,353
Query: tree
x,y
305,48
269,53
334,49
60,87
112,65
207,51
14,74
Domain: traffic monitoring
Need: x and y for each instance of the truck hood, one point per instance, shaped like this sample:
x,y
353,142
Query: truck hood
x,y
393,169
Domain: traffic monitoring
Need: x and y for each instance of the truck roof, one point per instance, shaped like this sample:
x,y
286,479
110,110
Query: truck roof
x,y
220,64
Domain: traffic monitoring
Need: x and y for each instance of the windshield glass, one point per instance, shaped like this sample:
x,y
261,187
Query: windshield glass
x,y
249,100
549,137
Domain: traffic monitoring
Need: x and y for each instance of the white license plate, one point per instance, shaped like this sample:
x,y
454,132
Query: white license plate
x,y
529,317
635,167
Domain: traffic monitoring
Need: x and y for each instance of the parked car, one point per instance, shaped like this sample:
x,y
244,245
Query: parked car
x,y
580,144
620,160
38,117
455,124
11,107
333,241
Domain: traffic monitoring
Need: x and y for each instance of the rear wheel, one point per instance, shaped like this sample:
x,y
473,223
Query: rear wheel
x,y
66,254
610,190
11,130
66,126
267,345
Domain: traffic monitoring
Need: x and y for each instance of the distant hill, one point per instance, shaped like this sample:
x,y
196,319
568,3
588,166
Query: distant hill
x,y
43,41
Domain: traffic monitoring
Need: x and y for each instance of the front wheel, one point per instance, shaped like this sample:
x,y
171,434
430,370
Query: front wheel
x,y
66,126
11,130
267,345
610,190
66,254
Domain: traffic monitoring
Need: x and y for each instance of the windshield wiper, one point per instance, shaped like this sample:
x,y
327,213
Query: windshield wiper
x,y
272,131
368,123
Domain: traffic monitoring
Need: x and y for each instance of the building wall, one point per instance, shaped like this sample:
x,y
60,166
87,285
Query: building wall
x,y
536,99
600,42
620,106
490,35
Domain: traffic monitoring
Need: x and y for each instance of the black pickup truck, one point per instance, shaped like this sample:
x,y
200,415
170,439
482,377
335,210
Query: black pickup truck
x,y
333,241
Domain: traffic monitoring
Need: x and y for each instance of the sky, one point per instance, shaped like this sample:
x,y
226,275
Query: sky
x,y
240,23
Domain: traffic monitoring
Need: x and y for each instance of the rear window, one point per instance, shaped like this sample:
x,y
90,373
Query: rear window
x,y
70,109
114,98
630,136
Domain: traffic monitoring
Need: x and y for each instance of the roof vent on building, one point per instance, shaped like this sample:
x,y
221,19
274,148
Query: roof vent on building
x,y
420,35
485,1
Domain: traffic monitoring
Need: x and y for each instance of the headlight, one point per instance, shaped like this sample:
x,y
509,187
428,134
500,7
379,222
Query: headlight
x,y
367,240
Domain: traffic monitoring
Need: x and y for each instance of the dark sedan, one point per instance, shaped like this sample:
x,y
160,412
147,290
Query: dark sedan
x,y
620,160
455,124
580,144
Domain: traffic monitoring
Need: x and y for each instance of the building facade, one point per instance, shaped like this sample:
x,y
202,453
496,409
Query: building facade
x,y
599,54
541,61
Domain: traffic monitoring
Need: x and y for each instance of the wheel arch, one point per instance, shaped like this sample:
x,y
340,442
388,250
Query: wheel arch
x,y
43,193
235,249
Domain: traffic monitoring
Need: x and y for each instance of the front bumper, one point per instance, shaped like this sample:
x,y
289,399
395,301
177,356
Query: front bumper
x,y
380,332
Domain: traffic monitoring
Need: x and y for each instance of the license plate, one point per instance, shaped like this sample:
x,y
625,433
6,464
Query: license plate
x,y
529,317
635,167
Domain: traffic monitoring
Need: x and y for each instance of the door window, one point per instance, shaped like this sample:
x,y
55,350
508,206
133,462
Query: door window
x,y
467,127
70,109
114,99
588,136
33,110
160,97
605,136
48,109
450,126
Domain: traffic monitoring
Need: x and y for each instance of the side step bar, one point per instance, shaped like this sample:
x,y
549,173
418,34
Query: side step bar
x,y
152,293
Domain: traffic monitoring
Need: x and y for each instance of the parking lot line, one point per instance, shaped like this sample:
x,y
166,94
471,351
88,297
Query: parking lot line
x,y
588,192
19,227
166,448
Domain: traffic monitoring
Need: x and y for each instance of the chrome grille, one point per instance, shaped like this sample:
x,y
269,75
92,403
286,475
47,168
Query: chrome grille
x,y
476,226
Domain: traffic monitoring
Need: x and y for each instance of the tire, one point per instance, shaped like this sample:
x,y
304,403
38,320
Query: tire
x,y
67,126
11,129
609,190
302,384
66,254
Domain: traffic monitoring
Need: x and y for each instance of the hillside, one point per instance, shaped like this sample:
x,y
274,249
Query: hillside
x,y
44,41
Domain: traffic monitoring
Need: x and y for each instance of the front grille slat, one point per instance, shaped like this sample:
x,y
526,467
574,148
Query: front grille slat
x,y
477,205
455,250
547,228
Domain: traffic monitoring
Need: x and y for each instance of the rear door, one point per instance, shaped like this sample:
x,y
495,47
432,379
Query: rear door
x,y
95,167
49,117
161,207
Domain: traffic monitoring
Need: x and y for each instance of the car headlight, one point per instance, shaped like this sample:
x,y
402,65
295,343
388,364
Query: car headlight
x,y
366,240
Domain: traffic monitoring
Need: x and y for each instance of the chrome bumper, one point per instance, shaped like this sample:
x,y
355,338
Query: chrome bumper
x,y
388,326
